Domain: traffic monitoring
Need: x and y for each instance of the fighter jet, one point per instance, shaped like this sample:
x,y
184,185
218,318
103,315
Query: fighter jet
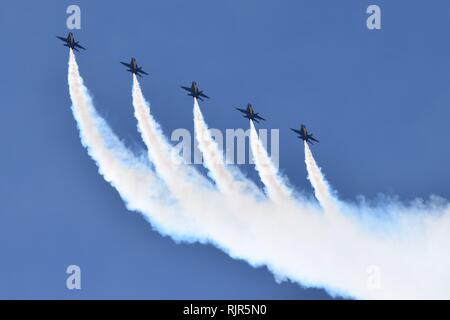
x,y
195,92
304,135
134,68
250,113
70,42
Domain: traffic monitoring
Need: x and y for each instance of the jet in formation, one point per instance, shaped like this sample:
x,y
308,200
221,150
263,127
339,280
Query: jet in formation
x,y
249,113
134,68
70,42
195,92
304,135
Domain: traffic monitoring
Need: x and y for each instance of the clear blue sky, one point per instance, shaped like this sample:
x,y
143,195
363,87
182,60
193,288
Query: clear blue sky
x,y
379,101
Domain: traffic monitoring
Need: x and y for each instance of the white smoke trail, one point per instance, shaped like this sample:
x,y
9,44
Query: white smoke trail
x,y
131,177
386,251
213,159
228,180
194,193
276,189
321,187
298,243
178,176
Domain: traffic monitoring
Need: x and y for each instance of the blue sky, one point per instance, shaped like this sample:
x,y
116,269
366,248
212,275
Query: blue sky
x,y
377,100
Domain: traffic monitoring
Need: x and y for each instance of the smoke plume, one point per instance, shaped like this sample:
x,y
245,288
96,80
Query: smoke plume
x,y
384,250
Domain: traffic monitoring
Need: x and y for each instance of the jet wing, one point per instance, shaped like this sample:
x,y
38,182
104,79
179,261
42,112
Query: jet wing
x,y
126,64
296,131
311,138
186,88
259,117
79,46
204,95
142,71
62,38
242,110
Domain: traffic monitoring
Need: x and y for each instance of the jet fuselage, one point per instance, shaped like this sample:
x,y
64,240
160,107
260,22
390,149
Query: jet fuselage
x,y
194,91
133,67
250,113
304,135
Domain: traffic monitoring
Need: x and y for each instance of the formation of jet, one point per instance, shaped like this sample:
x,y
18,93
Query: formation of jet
x,y
304,135
70,42
195,92
134,68
250,113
